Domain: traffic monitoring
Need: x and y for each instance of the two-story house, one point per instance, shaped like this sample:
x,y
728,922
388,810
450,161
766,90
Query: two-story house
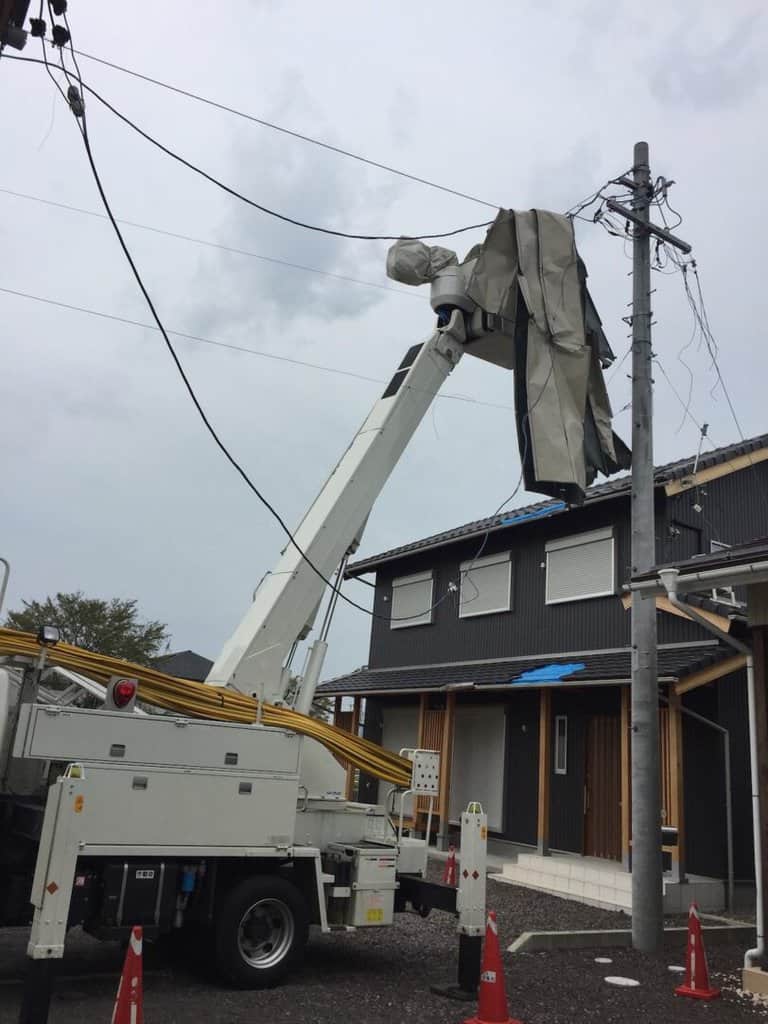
x,y
505,644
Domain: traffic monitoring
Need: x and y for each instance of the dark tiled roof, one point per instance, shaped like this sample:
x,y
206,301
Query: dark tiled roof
x,y
739,554
615,665
725,608
184,665
545,509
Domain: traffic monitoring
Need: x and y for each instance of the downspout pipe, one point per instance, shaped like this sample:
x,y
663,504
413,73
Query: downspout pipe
x,y
669,579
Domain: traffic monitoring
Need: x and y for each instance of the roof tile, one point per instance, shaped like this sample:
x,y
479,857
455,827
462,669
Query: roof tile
x,y
545,509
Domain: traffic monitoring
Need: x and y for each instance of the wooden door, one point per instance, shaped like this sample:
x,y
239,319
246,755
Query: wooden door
x,y
602,788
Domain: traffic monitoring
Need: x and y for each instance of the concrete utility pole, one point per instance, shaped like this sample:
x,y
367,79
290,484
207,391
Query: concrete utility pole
x,y
647,886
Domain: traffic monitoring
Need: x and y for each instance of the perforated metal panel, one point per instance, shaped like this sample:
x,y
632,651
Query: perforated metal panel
x,y
426,772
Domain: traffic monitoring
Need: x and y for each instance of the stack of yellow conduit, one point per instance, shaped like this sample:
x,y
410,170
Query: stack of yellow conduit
x,y
214,702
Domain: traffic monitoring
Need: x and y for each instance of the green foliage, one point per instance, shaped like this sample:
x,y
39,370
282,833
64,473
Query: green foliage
x,y
108,627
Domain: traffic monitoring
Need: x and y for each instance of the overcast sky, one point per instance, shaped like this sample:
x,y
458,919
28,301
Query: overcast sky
x,y
110,483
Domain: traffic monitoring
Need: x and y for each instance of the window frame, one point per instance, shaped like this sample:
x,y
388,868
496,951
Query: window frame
x,y
560,765
723,595
502,558
574,540
411,580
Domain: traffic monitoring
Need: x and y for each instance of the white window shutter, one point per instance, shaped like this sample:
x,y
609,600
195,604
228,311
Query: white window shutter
x,y
411,600
486,585
580,566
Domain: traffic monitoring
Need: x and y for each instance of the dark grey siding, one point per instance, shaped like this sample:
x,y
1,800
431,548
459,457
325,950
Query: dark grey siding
x,y
726,703
531,627
732,714
704,783
733,509
521,782
373,727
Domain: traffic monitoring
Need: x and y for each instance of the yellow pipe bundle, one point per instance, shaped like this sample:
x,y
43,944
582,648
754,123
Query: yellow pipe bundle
x,y
214,702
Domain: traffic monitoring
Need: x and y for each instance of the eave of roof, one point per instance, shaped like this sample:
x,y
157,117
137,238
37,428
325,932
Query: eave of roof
x,y
615,488
676,661
753,552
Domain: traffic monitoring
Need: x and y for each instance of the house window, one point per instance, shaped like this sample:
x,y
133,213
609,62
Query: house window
x,y
580,566
561,744
725,595
486,585
411,600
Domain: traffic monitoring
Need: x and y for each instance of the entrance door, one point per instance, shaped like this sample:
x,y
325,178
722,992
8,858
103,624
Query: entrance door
x,y
602,788
522,773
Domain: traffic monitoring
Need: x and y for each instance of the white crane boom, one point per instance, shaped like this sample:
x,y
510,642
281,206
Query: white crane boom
x,y
286,601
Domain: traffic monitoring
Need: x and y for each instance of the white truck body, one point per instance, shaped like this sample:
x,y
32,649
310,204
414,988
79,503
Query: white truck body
x,y
169,821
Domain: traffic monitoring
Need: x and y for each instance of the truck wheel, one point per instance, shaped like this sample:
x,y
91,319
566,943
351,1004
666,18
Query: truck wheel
x,y
260,932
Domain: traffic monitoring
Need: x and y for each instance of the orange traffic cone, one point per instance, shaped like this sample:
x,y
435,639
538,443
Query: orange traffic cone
x,y
449,875
492,1004
129,1004
696,984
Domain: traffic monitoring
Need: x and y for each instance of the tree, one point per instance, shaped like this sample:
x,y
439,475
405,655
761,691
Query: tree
x,y
108,627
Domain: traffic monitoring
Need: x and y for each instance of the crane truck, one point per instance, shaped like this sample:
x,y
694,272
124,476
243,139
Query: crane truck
x,y
111,818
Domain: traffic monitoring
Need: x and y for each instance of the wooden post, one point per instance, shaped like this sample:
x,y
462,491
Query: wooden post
x,y
626,796
446,757
677,790
351,769
545,770
337,710
420,742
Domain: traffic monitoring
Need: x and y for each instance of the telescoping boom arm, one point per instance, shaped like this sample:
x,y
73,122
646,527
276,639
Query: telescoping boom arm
x,y
286,602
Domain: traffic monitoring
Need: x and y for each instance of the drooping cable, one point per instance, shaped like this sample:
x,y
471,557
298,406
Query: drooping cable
x,y
235,193
287,131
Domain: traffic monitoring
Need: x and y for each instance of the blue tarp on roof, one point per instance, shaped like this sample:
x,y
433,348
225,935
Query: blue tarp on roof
x,y
549,673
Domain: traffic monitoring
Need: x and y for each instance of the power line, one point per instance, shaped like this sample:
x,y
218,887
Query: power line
x,y
252,202
286,131
235,348
191,391
213,245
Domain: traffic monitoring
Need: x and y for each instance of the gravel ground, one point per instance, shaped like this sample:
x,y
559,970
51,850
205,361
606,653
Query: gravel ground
x,y
383,977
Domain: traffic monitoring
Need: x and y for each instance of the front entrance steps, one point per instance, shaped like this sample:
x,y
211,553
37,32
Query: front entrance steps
x,y
603,883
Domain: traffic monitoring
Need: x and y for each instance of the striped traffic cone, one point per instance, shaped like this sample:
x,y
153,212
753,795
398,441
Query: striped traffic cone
x,y
449,874
696,984
129,1004
492,1004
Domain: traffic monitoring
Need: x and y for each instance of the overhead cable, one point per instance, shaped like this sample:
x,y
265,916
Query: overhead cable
x,y
252,202
237,348
287,131
82,129
409,292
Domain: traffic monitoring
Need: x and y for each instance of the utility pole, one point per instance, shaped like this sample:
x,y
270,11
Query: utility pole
x,y
647,884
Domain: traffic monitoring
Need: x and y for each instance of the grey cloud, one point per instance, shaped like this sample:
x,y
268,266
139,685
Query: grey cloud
x,y
309,185
715,77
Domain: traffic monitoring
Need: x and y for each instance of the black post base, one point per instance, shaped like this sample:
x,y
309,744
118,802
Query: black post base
x,y
453,991
468,974
38,989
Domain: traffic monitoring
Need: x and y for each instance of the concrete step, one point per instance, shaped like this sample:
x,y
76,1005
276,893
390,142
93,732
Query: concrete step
x,y
596,892
591,870
606,885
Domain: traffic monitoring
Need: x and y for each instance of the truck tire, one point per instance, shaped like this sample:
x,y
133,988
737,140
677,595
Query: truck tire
x,y
260,931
